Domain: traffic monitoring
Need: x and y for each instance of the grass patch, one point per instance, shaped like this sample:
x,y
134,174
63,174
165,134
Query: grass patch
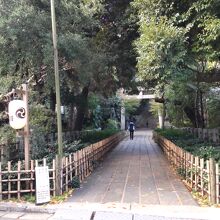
x,y
202,200
60,199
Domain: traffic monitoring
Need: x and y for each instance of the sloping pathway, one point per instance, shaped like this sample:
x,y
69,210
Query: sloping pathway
x,y
134,172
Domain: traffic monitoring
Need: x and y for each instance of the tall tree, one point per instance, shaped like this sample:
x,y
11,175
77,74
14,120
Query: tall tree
x,y
179,44
119,29
26,49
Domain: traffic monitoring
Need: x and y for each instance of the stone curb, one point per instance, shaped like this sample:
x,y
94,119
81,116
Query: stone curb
x,y
27,208
150,211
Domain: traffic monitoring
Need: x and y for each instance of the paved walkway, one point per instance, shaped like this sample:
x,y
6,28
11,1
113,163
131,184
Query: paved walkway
x,y
135,172
134,182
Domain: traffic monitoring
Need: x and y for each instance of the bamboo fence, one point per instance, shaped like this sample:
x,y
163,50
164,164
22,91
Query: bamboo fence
x,y
80,164
51,138
16,182
199,175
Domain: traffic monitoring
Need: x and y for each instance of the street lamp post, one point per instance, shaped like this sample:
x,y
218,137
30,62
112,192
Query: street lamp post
x,y
57,87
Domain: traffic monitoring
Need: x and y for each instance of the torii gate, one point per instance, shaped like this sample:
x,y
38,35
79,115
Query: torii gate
x,y
140,96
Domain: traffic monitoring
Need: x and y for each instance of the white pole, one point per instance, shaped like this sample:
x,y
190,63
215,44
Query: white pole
x,y
26,127
122,118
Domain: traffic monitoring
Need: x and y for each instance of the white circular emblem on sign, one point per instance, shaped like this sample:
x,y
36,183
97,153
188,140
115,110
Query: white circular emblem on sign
x,y
17,114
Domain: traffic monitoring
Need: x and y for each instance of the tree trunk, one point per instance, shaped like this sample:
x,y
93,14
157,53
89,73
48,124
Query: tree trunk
x,y
72,117
194,116
81,108
202,110
52,100
196,109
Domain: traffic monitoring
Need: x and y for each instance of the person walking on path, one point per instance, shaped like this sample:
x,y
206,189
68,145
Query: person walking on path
x,y
131,128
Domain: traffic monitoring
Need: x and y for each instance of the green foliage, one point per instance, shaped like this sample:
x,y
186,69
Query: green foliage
x,y
20,25
42,149
131,106
97,117
206,152
93,52
112,125
95,136
39,146
161,50
7,134
7,82
61,198
191,144
28,198
26,49
180,96
118,30
41,118
213,111
173,134
93,101
72,147
95,108
41,122
178,46
101,109
112,106
155,107
75,182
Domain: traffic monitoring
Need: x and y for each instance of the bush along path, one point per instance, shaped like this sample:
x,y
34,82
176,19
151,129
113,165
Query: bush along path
x,y
194,160
190,143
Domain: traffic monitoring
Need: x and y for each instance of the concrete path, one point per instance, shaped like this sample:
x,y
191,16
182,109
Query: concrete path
x,y
134,182
102,212
149,212
134,172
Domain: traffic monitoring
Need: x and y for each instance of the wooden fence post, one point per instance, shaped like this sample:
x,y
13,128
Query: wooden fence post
x,y
191,169
0,181
212,180
217,183
196,172
67,165
201,175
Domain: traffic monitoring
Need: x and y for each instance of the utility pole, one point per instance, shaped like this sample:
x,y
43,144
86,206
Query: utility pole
x,y
26,128
57,87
